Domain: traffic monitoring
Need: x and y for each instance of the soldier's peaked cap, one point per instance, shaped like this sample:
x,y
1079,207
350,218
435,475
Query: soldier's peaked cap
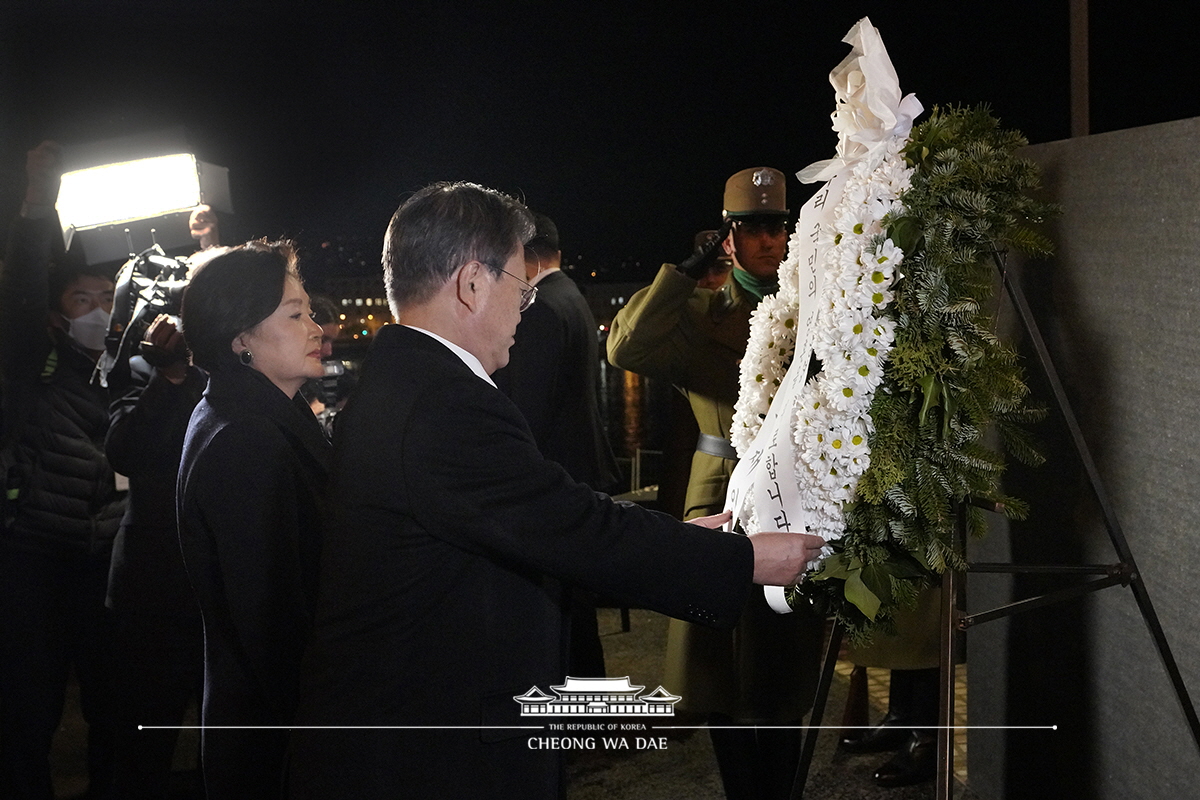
x,y
757,191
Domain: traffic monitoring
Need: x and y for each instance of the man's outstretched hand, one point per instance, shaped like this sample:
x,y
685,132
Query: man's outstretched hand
x,y
781,558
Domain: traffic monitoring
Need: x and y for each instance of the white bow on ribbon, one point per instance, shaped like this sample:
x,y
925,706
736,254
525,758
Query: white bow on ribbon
x,y
870,110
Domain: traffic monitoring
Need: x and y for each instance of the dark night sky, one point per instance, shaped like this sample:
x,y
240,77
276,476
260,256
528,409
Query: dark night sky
x,y
621,121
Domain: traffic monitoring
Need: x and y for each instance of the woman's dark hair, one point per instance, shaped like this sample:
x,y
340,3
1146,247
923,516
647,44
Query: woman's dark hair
x,y
231,294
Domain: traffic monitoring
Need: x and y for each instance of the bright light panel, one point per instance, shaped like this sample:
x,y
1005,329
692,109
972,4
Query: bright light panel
x,y
130,190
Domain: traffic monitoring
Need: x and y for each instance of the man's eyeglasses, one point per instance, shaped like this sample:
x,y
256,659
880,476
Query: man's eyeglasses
x,y
528,294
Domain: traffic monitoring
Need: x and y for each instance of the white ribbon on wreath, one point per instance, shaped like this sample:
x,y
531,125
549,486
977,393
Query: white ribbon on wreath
x,y
803,445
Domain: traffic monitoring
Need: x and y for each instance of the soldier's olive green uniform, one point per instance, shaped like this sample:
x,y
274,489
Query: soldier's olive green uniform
x,y
694,339
765,670
916,643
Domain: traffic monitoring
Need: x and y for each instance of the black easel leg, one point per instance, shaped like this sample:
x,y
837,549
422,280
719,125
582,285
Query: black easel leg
x,y
945,743
1115,534
818,711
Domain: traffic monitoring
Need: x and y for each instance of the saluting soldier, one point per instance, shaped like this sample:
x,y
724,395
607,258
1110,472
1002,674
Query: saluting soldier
x,y
764,672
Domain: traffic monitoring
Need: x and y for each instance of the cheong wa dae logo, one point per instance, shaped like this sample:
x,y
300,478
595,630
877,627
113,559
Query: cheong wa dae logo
x,y
608,696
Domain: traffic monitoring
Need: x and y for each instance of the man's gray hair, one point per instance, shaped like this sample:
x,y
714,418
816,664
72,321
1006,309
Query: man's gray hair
x,y
444,226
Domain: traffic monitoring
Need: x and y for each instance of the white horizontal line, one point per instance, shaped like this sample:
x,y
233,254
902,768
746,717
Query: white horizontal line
x,y
863,727
544,727
338,727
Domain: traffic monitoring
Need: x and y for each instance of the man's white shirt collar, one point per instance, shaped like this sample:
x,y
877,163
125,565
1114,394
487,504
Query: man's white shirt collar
x,y
467,358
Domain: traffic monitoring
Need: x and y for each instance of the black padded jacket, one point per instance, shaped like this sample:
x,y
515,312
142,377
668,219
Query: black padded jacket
x,y
61,496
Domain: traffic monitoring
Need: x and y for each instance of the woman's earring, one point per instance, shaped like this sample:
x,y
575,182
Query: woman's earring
x,y
246,357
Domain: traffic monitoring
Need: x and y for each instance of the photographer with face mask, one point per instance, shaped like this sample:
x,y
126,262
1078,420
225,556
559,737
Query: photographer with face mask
x,y
62,504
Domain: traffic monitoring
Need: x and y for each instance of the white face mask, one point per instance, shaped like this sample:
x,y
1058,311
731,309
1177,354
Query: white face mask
x,y
90,329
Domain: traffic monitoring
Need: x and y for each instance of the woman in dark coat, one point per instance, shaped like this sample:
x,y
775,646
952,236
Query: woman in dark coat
x,y
250,491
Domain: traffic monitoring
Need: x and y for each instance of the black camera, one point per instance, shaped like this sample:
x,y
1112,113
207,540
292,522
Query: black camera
x,y
148,284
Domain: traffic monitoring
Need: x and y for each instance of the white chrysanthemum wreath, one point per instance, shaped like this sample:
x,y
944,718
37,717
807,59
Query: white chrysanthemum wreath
x,y
831,423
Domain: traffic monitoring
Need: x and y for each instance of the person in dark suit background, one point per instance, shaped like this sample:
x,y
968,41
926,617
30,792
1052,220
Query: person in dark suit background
x,y
553,377
553,370
251,485
440,598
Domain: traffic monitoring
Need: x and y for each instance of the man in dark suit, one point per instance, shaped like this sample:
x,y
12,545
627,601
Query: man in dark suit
x,y
553,377
440,599
553,371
